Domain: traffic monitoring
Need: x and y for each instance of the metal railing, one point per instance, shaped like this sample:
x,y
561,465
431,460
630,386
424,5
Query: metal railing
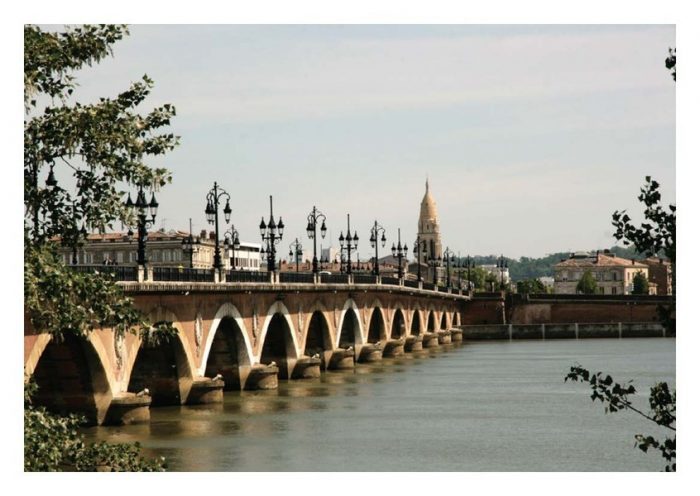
x,y
409,283
182,274
364,279
394,281
334,278
443,289
120,272
296,277
429,285
247,276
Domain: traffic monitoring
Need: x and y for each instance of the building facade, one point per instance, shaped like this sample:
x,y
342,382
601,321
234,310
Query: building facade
x,y
661,274
613,275
163,249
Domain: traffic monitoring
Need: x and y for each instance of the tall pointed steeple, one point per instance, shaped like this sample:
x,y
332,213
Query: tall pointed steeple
x,y
428,224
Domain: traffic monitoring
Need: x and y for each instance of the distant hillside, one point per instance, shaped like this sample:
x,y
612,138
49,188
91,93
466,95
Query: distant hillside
x,y
529,268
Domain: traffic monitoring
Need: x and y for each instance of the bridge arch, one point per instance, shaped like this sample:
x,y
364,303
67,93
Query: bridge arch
x,y
71,376
416,322
164,368
376,331
227,350
431,327
278,340
443,321
350,326
398,323
318,338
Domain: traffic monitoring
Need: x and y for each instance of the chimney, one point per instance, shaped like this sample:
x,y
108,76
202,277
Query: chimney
x,y
597,256
212,235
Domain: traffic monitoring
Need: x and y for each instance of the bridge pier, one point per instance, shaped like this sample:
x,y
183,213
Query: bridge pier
x,y
430,340
307,368
342,359
128,408
205,391
444,337
394,347
457,335
370,353
413,343
262,377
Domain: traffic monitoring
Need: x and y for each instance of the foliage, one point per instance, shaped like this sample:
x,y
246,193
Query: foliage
x,y
615,397
671,62
587,284
103,148
657,233
531,286
640,284
53,443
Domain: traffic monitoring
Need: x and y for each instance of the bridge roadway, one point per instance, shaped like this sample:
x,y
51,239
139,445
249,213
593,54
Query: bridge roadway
x,y
234,336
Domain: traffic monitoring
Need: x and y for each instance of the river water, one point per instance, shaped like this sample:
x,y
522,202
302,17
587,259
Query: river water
x,y
478,406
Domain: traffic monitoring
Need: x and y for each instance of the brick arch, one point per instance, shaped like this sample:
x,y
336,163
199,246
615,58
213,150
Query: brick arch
x,y
416,311
443,320
383,334
184,362
226,310
431,312
399,308
318,306
278,307
350,305
61,365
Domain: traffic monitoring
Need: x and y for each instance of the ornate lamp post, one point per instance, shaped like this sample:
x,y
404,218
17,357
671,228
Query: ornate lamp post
x,y
502,265
449,257
191,245
350,245
400,253
231,244
418,245
374,240
142,209
470,266
312,221
435,263
212,211
297,251
271,234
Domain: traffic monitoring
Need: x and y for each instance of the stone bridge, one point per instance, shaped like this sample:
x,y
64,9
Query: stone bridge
x,y
233,336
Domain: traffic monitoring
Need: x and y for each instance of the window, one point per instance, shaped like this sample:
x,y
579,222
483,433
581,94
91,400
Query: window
x,y
613,290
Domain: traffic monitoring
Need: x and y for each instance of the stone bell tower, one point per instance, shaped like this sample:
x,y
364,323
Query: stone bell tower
x,y
429,227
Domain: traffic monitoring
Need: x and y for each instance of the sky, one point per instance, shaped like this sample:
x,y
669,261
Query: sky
x,y
531,136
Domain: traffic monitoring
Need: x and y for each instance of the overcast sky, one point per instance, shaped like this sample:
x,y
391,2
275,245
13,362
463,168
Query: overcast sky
x,y
531,135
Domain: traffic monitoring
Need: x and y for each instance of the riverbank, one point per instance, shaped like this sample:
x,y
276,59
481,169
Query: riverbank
x,y
617,330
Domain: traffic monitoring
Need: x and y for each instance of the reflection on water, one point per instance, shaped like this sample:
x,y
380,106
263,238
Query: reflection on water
x,y
472,406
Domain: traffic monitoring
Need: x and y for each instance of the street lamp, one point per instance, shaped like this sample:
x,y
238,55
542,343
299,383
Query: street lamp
x,y
312,220
350,245
417,244
435,263
142,209
449,257
297,251
400,253
271,234
470,265
502,265
231,244
191,245
212,212
374,240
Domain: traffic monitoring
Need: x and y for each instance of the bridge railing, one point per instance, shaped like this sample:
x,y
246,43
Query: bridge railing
x,y
394,281
443,289
429,286
364,279
301,277
334,278
410,283
119,272
247,276
182,274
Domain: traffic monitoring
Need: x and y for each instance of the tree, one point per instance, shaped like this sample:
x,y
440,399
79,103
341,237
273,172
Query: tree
x,y
640,284
671,62
530,286
104,146
615,397
587,284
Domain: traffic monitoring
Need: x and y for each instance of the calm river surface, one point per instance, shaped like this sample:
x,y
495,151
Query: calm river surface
x,y
483,406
